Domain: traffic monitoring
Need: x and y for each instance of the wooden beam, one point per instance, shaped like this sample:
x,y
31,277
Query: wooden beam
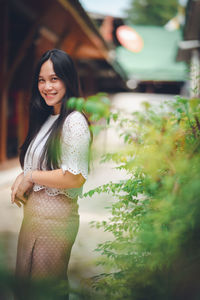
x,y
95,39
62,37
77,46
48,34
71,45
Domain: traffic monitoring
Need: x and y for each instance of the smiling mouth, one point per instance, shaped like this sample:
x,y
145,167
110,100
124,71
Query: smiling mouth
x,y
50,95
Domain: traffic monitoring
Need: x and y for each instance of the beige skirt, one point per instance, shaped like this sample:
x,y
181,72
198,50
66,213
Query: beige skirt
x,y
47,234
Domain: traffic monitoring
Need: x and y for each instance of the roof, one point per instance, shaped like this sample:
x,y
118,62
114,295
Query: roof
x,y
156,61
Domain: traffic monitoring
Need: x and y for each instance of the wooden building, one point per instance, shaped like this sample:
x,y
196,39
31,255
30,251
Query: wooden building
x,y
29,28
189,47
149,59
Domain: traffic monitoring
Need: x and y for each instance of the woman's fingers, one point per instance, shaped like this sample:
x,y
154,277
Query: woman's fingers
x,y
14,199
17,194
21,190
13,194
17,197
17,202
22,201
24,187
21,197
14,188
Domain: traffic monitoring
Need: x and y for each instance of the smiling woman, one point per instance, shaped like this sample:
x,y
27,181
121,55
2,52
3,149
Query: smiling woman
x,y
51,87
54,158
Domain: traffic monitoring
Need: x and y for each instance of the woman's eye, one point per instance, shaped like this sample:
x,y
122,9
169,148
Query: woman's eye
x,y
40,80
54,78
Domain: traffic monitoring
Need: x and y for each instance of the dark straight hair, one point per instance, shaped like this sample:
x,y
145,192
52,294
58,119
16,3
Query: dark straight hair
x,y
39,111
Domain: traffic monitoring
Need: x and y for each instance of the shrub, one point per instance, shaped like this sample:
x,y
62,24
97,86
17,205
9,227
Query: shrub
x,y
155,218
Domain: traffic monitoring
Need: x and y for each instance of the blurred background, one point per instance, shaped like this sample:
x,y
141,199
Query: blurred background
x,y
133,50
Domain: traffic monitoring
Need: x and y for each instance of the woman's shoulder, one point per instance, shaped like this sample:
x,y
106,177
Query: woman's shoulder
x,y
76,124
76,118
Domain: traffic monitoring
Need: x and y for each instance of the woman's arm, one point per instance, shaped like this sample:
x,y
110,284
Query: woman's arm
x,y
56,179
52,179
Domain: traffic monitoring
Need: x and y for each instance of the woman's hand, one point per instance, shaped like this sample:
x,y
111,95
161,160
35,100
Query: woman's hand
x,y
14,189
21,188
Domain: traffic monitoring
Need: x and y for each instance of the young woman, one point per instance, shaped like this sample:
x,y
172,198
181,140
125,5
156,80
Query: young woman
x,y
54,158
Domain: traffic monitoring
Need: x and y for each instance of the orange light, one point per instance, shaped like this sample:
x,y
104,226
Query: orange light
x,y
129,38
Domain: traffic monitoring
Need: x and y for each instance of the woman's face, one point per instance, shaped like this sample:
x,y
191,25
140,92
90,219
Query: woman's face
x,y
51,87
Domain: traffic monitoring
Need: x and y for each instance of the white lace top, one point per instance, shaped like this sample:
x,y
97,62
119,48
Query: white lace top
x,y
75,141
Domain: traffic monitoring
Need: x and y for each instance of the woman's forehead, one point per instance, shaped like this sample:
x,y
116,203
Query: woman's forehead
x,y
47,68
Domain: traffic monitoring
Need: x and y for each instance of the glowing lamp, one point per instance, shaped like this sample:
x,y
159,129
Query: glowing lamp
x,y
129,38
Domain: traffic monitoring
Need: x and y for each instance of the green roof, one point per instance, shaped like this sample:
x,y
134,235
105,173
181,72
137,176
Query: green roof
x,y
156,61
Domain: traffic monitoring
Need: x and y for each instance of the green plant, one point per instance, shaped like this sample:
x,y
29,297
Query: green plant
x,y
155,218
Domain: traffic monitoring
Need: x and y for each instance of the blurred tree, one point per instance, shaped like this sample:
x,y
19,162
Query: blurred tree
x,y
152,12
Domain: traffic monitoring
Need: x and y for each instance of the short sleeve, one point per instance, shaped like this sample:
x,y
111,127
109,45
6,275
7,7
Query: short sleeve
x,y
75,145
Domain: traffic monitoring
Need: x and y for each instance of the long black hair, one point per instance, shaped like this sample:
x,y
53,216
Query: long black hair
x,y
39,111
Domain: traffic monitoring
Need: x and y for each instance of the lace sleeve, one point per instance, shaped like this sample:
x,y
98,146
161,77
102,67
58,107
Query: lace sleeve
x,y
75,145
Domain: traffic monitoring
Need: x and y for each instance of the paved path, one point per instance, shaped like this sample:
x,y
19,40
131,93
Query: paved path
x,y
83,255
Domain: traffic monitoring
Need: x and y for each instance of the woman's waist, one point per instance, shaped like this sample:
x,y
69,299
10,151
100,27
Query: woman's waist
x,y
40,204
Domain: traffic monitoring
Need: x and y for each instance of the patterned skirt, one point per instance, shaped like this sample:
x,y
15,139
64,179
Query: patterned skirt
x,y
47,234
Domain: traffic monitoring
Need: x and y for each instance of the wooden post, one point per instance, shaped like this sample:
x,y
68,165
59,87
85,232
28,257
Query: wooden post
x,y
4,20
20,117
195,74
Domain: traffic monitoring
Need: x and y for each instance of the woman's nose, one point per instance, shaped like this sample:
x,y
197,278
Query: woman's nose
x,y
48,85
